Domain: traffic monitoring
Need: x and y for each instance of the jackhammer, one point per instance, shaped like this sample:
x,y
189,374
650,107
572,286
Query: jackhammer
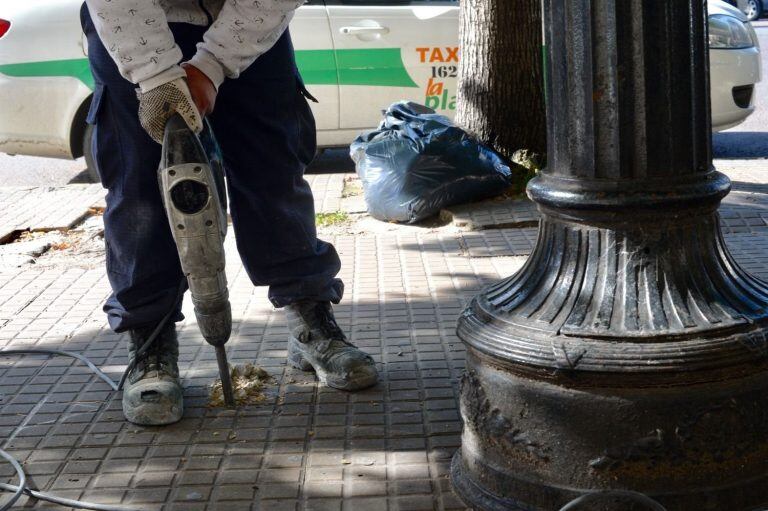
x,y
191,178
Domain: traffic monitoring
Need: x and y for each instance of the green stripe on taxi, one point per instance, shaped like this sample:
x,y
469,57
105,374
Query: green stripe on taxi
x,y
382,67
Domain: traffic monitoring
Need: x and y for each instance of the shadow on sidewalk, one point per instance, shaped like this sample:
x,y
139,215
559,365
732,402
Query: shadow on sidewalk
x,y
306,445
742,186
332,161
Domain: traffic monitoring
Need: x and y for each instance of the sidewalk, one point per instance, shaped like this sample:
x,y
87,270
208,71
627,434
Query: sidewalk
x,y
305,447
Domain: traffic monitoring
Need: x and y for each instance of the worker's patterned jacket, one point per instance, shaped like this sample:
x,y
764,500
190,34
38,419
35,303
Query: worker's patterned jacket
x,y
136,34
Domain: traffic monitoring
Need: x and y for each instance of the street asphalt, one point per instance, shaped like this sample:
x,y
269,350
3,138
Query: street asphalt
x,y
749,140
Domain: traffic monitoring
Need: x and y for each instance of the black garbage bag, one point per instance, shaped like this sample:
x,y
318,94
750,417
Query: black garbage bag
x,y
418,162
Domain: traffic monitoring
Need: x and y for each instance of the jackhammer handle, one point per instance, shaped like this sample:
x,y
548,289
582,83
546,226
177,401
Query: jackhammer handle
x,y
179,148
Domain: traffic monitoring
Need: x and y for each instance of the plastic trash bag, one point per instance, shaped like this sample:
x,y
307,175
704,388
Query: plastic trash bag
x,y
418,162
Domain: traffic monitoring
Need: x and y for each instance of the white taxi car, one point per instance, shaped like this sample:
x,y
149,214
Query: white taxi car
x,y
356,56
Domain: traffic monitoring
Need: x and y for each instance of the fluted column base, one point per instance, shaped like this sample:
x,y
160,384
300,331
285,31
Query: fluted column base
x,y
533,445
629,353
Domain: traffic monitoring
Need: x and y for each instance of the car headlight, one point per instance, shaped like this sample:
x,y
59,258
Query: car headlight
x,y
727,32
753,35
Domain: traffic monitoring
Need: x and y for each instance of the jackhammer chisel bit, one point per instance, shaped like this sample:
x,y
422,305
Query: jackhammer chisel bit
x,y
192,185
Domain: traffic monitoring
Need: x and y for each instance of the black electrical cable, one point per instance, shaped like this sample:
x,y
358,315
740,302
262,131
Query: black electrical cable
x,y
155,333
22,488
634,496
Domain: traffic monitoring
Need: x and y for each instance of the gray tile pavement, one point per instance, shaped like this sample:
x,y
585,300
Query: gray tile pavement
x,y
45,208
327,189
745,209
305,447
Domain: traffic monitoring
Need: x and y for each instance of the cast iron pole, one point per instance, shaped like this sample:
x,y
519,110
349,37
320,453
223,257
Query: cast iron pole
x,y
630,351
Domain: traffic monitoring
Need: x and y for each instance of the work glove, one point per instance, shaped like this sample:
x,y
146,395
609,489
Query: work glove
x,y
158,105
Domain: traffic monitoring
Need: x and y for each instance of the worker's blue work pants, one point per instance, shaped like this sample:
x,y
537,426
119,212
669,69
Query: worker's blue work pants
x,y
267,135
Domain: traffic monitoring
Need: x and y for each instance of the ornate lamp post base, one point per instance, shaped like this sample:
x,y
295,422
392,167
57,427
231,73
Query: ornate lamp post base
x,y
628,357
630,352
543,444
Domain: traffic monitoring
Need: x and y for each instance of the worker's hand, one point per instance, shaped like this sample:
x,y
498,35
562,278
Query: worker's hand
x,y
202,89
158,105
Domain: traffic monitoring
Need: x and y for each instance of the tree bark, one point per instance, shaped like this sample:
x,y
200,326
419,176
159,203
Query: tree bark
x,y
501,85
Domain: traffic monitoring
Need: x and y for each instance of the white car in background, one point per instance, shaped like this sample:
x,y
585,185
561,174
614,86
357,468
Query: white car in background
x,y
356,56
735,65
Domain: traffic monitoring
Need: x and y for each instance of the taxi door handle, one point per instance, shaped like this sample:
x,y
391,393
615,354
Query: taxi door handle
x,y
364,30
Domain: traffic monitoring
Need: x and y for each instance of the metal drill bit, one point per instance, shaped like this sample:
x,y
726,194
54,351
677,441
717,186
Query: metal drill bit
x,y
226,377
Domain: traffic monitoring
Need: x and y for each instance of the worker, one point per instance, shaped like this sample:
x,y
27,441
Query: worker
x,y
232,61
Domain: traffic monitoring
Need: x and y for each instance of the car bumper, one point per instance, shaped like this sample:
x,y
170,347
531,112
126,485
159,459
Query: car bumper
x,y
36,114
733,76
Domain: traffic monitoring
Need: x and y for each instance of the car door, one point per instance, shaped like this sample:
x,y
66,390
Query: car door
x,y
311,33
388,51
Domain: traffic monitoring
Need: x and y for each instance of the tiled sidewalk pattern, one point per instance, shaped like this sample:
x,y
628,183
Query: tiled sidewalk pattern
x,y
305,447
45,208
744,210
387,448
327,190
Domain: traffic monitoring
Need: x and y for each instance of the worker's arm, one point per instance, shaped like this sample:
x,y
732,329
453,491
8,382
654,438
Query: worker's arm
x,y
136,34
137,37
243,30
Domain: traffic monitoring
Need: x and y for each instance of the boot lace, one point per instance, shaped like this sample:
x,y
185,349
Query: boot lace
x,y
154,361
319,321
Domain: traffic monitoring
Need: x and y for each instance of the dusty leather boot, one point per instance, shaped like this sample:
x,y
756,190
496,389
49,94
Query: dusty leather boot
x,y
152,395
317,343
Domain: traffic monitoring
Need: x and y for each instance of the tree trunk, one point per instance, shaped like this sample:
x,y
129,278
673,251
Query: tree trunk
x,y
501,86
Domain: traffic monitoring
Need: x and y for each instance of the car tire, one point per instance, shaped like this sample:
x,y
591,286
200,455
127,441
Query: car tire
x,y
90,164
754,9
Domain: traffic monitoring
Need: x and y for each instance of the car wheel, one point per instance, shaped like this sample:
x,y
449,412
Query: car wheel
x,y
753,9
88,153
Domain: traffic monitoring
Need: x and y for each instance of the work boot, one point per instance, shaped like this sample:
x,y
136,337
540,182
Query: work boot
x,y
318,343
152,395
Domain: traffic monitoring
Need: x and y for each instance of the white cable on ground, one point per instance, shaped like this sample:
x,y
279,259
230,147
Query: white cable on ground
x,y
78,504
22,488
41,351
634,496
18,490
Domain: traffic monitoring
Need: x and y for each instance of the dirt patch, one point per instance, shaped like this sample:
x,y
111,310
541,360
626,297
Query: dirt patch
x,y
79,247
353,187
248,382
26,247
